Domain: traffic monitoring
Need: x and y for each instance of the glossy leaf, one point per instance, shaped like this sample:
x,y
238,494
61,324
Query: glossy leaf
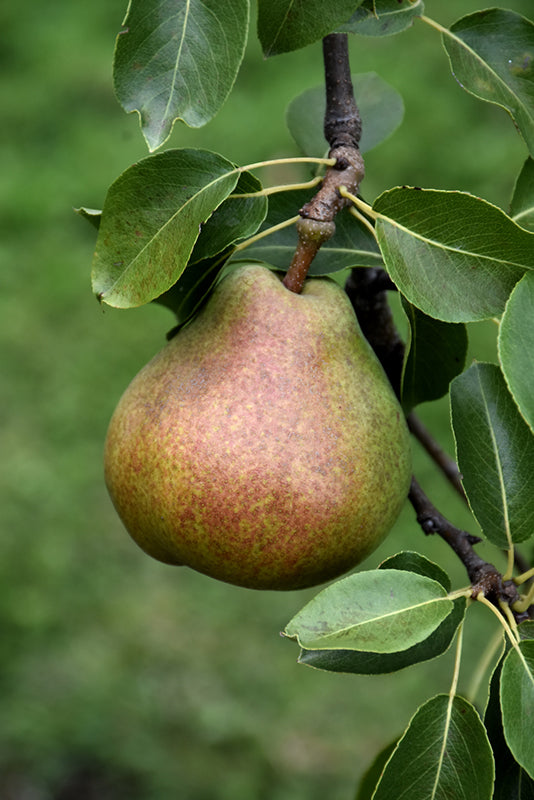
x,y
379,611
178,59
411,561
151,220
352,245
188,294
380,105
92,215
452,255
285,25
516,346
373,773
444,753
435,354
517,702
522,206
363,663
383,17
512,782
238,217
495,451
492,57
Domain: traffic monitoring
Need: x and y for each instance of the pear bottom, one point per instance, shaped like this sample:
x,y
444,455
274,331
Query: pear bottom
x,y
263,446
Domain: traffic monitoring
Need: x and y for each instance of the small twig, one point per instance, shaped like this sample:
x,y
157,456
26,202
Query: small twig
x,y
484,577
342,129
342,123
446,464
367,291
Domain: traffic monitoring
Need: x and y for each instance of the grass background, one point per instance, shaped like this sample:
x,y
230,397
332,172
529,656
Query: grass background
x,y
121,677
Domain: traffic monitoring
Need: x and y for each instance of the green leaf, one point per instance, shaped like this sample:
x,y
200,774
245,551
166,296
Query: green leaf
x,y
444,753
381,110
522,206
452,255
363,663
187,295
492,57
178,59
495,451
352,245
92,215
411,561
151,220
516,346
285,25
435,353
383,17
517,702
236,218
379,611
511,780
373,773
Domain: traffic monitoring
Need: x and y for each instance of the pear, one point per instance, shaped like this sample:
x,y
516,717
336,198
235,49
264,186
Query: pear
x,y
263,446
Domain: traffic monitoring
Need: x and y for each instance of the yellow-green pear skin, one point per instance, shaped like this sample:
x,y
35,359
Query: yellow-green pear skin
x,y
263,446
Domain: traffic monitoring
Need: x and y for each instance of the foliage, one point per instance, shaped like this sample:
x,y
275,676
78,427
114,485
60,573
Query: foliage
x,y
175,220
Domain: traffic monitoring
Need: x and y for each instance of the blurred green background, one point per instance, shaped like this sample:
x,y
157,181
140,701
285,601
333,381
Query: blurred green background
x,y
121,677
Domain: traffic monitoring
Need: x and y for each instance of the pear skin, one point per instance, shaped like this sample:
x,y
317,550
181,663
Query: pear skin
x,y
263,446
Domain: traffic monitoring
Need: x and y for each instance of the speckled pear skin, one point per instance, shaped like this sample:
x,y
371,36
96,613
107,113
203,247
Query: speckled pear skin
x,y
263,446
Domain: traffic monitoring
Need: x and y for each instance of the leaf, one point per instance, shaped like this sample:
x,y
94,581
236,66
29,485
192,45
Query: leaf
x,y
92,215
495,451
364,663
178,59
492,57
381,110
435,353
517,702
522,206
151,220
285,25
444,753
516,346
352,245
187,295
236,218
511,780
373,773
410,561
379,611
452,255
383,17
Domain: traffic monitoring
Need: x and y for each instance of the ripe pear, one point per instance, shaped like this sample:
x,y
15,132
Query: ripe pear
x,y
263,445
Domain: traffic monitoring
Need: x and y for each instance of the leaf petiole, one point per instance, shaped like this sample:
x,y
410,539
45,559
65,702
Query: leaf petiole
x,y
285,224
526,576
286,187
487,658
512,635
328,162
360,204
526,601
361,218
433,24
